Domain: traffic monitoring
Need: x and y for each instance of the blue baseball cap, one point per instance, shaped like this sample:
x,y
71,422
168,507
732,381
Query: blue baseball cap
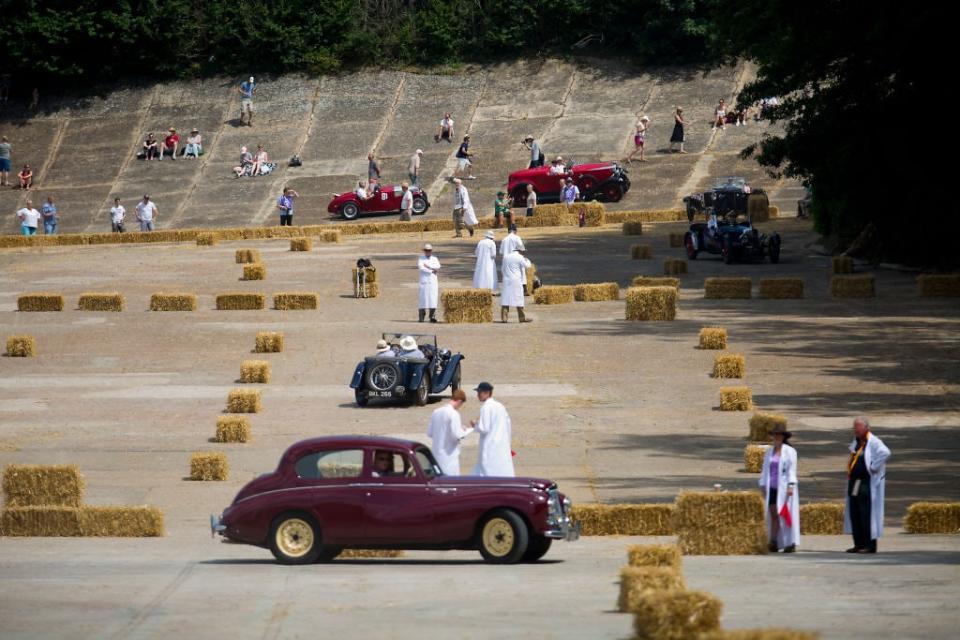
x,y
484,386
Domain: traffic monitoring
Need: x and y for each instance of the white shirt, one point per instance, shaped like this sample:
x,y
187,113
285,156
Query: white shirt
x,y
531,199
514,268
28,217
447,431
495,458
117,213
361,193
406,202
146,211
509,244
446,123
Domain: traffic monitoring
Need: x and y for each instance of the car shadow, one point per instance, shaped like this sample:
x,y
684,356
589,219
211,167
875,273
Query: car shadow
x,y
413,562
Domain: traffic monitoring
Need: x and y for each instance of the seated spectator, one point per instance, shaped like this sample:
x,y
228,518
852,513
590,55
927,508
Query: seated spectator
x,y
557,168
445,130
26,177
245,168
170,144
194,145
150,148
261,162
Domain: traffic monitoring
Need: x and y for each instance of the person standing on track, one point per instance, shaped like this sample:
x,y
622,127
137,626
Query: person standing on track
x,y
247,90
866,486
429,287
446,431
495,457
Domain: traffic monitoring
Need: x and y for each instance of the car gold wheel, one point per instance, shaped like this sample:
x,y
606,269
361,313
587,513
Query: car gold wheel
x,y
498,537
294,537
503,537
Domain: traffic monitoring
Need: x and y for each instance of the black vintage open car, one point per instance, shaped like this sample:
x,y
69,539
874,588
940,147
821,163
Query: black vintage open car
x,y
394,377
730,195
734,239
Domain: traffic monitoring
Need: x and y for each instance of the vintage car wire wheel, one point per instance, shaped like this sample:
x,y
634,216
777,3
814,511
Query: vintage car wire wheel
x,y
612,193
519,196
350,210
423,391
383,376
294,539
503,537
586,186
419,206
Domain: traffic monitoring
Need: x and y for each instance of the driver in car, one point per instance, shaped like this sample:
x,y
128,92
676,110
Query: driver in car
x,y
361,191
383,464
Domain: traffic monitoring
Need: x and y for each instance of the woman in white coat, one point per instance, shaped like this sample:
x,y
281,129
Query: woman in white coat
x,y
866,480
429,287
778,481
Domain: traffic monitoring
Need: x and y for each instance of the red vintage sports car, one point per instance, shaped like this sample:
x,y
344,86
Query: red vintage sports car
x,y
335,493
603,181
386,199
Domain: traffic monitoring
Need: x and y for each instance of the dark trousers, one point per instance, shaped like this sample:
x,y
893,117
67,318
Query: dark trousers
x,y
286,219
859,507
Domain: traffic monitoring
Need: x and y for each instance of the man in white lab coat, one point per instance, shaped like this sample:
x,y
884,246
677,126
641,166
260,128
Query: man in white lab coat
x,y
447,431
429,290
514,267
485,271
510,241
866,479
493,425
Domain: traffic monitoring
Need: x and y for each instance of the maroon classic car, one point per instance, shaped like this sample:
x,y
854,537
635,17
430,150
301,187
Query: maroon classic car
x,y
386,199
604,181
334,493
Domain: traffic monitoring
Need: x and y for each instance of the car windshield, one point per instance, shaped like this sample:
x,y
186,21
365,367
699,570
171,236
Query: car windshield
x,y
430,467
421,338
731,183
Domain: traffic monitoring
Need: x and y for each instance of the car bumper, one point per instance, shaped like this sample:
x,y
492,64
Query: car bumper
x,y
216,526
565,529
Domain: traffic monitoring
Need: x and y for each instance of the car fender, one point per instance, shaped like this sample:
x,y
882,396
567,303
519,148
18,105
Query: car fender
x,y
357,381
447,376
694,239
416,372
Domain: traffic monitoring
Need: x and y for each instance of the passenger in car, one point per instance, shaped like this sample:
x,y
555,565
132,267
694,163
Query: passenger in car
x,y
409,348
384,350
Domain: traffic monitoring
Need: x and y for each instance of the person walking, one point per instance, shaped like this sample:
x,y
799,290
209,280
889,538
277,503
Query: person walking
x,y
117,212
536,153
5,162
285,205
413,169
639,135
495,457
678,135
146,213
373,169
465,159
446,432
463,213
514,271
510,241
866,485
29,219
406,203
778,482
247,90
50,217
429,286
485,270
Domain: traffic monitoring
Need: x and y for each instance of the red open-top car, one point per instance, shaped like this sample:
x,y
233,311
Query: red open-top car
x,y
333,493
603,181
386,199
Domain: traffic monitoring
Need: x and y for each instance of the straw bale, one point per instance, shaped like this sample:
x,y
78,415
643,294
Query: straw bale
x,y
363,554
295,301
207,239
21,347
370,273
655,281
247,256
101,302
209,465
254,271
531,277
46,521
330,235
633,228
269,342
239,301
624,519
555,294
727,288
233,429
674,267
301,244
40,302
758,207
753,457
736,399
655,555
721,523
762,423
637,582
842,264
173,302
676,614
774,211
467,306
762,634
676,240
729,365
27,485
713,338
651,303
939,285
596,292
932,517
244,401
781,288
640,252
121,521
255,371
821,519
659,215
860,286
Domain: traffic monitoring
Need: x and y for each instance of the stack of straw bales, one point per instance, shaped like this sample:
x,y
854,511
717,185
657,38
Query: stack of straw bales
x,y
640,252
943,285
674,267
932,517
207,239
721,523
561,214
729,365
624,519
653,215
371,283
101,302
655,281
232,429
861,286
761,424
727,288
633,228
254,271
821,518
651,303
753,457
636,583
244,401
676,614
467,305
301,244
173,302
295,301
736,399
713,338
842,264
40,302
255,371
596,292
247,256
676,240
21,347
553,294
269,342
531,277
240,301
781,288
210,465
761,634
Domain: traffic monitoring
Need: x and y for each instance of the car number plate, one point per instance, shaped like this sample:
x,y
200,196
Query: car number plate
x,y
380,394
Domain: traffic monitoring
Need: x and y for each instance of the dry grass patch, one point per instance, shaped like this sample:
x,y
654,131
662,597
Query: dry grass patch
x,y
727,288
244,401
40,302
676,615
632,228
233,429
247,256
255,372
624,519
862,286
721,523
674,267
729,365
596,292
713,338
26,485
207,239
736,399
295,301
640,252
932,517
301,244
753,457
761,424
101,302
467,306
21,347
781,288
942,285
173,302
209,465
637,582
269,342
842,264
651,303
821,519
254,271
553,294
239,301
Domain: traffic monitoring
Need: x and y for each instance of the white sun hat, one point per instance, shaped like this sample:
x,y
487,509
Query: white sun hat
x,y
407,343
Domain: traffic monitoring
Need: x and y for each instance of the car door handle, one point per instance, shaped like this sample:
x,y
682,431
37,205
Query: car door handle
x,y
367,484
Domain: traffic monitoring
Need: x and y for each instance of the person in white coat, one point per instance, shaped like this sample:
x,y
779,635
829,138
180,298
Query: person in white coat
x,y
429,289
866,479
446,431
493,425
510,241
514,269
469,215
485,271
778,481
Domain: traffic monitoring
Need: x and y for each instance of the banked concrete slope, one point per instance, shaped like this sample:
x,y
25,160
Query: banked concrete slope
x,y
84,151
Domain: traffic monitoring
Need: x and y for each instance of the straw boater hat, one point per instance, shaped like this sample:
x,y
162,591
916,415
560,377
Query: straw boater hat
x,y
428,247
644,119
489,234
407,343
194,130
382,346
782,430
